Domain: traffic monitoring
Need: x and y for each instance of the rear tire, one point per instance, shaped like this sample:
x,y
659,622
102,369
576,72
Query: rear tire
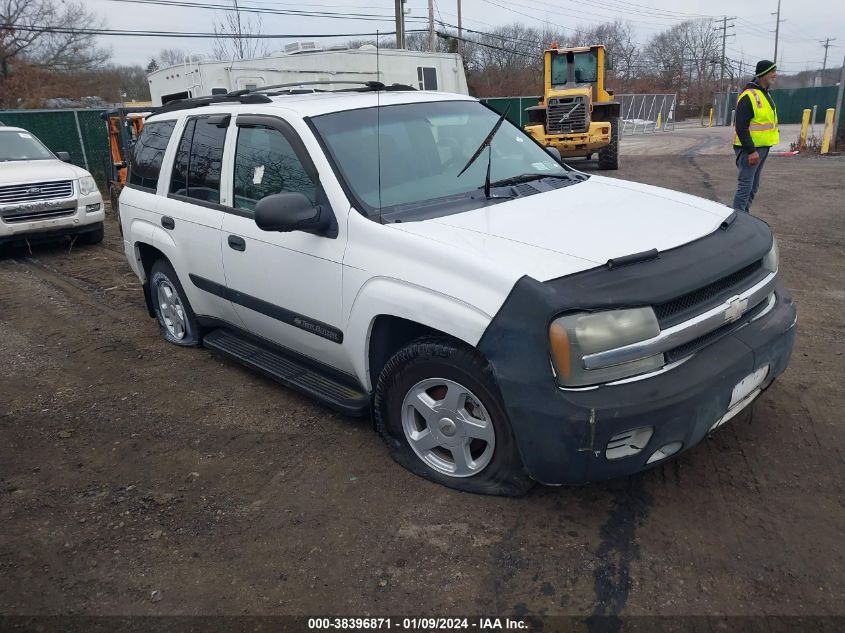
x,y
609,155
438,408
175,316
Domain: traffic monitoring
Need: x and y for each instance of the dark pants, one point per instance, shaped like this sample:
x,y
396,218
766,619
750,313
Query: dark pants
x,y
749,177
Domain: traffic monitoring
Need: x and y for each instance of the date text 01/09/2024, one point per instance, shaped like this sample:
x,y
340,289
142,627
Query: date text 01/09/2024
x,y
414,624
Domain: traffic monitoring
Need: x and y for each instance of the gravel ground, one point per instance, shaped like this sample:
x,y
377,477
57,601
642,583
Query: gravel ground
x,y
140,478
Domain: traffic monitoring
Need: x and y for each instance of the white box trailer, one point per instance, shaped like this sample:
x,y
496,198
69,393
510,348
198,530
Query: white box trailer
x,y
306,62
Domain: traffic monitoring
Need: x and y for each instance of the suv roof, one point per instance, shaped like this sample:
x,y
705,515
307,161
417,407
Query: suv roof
x,y
317,103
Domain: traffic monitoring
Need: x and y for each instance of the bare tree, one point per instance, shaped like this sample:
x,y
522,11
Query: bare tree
x,y
28,33
232,31
171,57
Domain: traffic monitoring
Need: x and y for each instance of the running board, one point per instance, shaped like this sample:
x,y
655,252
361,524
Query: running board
x,y
289,371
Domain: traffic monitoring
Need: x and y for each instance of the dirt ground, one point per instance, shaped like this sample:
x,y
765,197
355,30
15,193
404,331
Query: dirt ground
x,y
140,478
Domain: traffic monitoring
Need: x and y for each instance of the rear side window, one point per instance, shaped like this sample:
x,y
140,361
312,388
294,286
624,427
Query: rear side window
x,y
148,154
199,160
265,163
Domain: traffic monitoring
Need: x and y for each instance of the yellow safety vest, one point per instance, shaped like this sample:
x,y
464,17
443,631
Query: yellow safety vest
x,y
764,124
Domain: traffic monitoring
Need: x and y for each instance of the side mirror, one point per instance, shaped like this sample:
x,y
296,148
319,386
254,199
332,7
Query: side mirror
x,y
63,156
554,152
287,212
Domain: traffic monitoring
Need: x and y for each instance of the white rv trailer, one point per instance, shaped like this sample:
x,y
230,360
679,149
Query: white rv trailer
x,y
308,62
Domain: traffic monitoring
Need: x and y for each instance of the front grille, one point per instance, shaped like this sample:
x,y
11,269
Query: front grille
x,y
36,191
693,303
679,352
38,215
566,115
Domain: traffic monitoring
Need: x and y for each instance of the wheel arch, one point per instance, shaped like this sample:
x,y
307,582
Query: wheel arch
x,y
388,313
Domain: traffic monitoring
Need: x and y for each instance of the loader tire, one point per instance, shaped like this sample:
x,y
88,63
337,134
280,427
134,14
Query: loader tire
x,y
609,155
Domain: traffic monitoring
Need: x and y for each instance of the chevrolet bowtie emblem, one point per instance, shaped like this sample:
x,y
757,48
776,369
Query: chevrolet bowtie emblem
x,y
736,308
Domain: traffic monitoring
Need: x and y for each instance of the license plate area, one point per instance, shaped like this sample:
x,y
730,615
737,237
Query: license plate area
x,y
743,394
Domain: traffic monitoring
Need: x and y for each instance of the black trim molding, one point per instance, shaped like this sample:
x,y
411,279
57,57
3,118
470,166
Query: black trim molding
x,y
318,328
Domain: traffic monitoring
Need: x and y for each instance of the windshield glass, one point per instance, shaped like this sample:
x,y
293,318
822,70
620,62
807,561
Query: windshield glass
x,y
15,145
586,68
423,148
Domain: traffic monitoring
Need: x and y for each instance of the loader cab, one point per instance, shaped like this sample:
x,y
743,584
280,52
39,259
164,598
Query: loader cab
x,y
584,67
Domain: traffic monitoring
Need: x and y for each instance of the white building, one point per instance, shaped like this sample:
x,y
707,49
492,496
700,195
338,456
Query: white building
x,y
308,62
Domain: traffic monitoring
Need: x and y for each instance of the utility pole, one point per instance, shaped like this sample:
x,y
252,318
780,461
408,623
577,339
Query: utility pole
x,y
460,28
431,43
827,44
837,119
724,29
777,32
400,23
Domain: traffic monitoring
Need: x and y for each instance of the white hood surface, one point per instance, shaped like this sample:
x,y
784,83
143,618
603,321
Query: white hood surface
x,y
575,228
23,171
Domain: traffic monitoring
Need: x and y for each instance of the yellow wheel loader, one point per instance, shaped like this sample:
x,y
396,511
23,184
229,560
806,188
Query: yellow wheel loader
x,y
576,114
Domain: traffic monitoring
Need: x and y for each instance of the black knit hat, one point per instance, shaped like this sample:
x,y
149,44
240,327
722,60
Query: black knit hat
x,y
764,67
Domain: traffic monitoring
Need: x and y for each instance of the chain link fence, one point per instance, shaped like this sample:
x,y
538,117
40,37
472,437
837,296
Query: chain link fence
x,y
647,112
81,133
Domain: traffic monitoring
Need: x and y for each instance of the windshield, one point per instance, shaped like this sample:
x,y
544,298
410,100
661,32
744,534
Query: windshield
x,y
15,145
586,68
423,148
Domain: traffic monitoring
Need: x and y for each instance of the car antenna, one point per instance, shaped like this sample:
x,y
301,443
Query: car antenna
x,y
378,128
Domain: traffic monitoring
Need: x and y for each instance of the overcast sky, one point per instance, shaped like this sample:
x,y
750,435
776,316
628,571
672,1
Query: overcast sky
x,y
807,22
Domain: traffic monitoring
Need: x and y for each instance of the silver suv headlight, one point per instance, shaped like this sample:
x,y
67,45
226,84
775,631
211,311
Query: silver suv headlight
x,y
772,258
575,335
87,185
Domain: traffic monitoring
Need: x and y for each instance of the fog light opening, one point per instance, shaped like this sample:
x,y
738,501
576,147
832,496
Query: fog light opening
x,y
628,443
92,207
667,450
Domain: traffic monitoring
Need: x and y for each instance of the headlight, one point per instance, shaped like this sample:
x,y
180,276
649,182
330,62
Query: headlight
x,y
575,335
772,258
87,185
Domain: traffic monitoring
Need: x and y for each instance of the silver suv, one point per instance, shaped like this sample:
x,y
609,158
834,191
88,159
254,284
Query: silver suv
x,y
42,196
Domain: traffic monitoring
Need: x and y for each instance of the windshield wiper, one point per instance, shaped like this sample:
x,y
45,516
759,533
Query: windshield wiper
x,y
487,143
515,180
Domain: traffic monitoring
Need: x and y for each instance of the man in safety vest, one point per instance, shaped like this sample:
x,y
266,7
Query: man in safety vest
x,y
756,132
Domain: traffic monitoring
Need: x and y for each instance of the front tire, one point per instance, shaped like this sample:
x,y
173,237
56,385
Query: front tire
x,y
609,155
438,408
175,317
93,237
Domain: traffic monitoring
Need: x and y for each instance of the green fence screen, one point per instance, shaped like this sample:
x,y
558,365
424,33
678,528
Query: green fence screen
x,y
516,114
81,133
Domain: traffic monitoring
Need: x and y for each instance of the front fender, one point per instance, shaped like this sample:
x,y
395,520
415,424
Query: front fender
x,y
385,296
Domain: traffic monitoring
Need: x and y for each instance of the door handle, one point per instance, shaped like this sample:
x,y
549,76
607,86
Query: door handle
x,y
167,222
237,243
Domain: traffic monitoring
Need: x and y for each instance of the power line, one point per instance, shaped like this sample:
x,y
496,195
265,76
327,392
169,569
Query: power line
x,y
192,34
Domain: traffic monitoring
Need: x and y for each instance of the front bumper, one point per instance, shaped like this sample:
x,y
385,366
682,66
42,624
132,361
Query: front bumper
x,y
563,435
577,144
76,219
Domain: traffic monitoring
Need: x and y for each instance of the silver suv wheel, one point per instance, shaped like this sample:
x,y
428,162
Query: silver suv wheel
x,y
172,311
448,428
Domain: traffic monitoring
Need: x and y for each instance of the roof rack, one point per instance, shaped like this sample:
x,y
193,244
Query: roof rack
x,y
197,102
363,86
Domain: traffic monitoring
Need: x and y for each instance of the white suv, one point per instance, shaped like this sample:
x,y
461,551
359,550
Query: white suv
x,y
42,197
503,318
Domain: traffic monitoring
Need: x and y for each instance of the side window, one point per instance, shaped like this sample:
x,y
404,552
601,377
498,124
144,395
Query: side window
x,y
179,175
198,162
148,153
427,77
265,163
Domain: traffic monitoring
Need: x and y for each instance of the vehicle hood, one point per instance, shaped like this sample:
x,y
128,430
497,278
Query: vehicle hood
x,y
575,228
20,171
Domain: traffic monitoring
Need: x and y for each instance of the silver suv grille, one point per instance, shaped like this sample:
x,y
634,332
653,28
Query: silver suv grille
x,y
566,115
36,191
